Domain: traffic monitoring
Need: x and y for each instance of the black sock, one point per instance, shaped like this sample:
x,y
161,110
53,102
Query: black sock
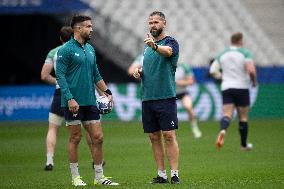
x,y
225,122
243,128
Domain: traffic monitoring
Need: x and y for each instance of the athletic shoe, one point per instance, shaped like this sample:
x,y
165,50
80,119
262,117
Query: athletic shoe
x,y
93,164
175,180
220,139
48,167
196,132
159,180
77,181
247,148
105,181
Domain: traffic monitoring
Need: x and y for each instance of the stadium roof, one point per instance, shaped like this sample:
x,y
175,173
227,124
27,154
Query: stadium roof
x,y
41,6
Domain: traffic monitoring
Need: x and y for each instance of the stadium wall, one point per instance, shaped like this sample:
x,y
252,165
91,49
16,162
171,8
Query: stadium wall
x,y
19,103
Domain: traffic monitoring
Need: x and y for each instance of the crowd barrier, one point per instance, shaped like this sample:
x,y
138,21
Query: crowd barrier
x,y
33,102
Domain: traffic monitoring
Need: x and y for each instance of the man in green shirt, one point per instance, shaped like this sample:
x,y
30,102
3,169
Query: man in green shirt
x,y
184,77
159,109
76,74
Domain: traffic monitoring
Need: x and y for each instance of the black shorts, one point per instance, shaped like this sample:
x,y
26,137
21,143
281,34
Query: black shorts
x,y
85,113
56,104
181,95
159,115
238,97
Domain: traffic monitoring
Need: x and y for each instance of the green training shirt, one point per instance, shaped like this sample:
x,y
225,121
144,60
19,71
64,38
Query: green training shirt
x,y
158,78
76,73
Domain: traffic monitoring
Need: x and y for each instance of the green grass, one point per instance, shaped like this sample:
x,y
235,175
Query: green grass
x,y
130,162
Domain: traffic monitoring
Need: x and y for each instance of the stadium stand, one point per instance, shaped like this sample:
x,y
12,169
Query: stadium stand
x,y
201,27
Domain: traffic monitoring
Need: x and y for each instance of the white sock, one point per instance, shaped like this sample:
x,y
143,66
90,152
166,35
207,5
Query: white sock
x,y
49,159
162,173
74,170
99,172
174,173
194,124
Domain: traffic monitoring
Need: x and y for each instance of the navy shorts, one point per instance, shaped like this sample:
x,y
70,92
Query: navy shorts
x,y
238,97
85,113
159,115
56,104
181,95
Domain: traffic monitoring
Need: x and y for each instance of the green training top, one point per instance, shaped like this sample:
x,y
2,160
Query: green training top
x,y
158,77
243,51
51,56
76,73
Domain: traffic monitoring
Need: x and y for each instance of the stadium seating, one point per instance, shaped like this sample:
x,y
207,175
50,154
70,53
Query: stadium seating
x,y
202,27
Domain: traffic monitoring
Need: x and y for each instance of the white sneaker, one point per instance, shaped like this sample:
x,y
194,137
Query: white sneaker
x,y
220,139
105,181
77,181
248,147
196,132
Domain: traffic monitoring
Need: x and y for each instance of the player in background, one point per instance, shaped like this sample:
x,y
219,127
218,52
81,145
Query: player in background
x,y
238,73
56,113
185,77
159,110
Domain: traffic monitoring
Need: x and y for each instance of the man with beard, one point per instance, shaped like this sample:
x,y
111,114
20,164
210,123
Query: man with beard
x,y
159,109
77,72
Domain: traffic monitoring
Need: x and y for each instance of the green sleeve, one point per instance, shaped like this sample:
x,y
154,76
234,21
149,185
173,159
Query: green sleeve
x,y
187,70
97,75
248,54
63,60
50,55
221,54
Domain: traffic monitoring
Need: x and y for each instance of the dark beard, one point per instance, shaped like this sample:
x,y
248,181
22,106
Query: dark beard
x,y
156,33
86,37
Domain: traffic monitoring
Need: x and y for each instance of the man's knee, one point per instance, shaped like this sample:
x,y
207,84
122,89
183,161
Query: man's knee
x,y
98,138
154,137
169,136
243,113
75,138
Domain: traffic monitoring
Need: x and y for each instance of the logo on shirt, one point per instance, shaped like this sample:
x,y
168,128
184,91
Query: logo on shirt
x,y
76,54
172,123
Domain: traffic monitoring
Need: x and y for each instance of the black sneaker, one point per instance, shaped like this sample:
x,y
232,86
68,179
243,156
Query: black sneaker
x,y
175,180
48,167
159,180
93,164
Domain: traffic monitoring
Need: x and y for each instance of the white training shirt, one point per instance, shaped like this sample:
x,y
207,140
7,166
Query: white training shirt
x,y
232,62
183,71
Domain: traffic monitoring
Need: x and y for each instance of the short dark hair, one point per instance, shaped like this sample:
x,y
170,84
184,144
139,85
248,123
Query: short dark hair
x,y
159,13
236,37
78,19
65,33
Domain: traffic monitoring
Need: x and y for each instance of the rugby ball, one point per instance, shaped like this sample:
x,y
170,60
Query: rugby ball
x,y
104,105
